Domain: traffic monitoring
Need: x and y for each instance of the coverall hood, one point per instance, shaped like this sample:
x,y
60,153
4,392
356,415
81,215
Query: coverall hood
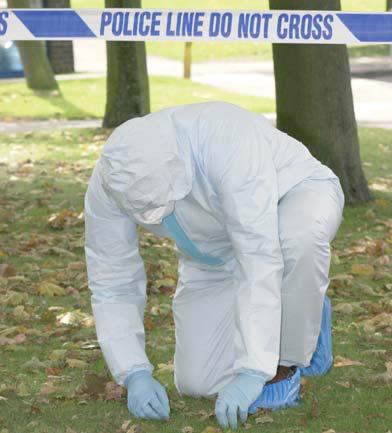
x,y
143,167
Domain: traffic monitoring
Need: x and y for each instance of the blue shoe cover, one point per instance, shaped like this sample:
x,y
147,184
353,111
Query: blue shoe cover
x,y
278,395
322,359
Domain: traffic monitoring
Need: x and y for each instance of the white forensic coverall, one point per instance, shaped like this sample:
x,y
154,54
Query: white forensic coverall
x,y
244,193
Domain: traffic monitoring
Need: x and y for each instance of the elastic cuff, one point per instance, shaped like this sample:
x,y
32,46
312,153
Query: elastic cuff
x,y
256,374
122,378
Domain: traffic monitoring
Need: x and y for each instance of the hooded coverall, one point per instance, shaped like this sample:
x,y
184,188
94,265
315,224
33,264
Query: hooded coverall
x,y
260,211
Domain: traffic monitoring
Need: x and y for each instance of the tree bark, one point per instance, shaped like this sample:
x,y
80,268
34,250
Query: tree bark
x,y
315,103
127,87
37,69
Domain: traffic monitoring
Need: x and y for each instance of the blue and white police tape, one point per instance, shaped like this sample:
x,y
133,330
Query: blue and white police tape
x,y
321,27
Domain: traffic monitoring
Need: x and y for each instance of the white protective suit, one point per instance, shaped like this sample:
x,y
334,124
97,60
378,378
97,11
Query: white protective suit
x,y
247,196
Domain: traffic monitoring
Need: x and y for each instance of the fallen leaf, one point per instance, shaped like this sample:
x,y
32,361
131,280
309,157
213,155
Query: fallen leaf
x,y
381,321
114,392
57,355
387,376
315,411
265,419
76,318
52,371
35,409
61,219
94,385
49,289
204,415
362,270
125,425
15,298
135,428
211,429
169,367
7,270
34,364
345,362
47,388
76,363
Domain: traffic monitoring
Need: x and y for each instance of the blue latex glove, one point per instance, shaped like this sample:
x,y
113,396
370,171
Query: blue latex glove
x,y
236,397
147,398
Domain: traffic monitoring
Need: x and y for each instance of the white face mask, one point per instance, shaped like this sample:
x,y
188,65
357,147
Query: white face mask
x,y
154,216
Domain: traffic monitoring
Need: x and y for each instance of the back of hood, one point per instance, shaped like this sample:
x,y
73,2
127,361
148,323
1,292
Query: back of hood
x,y
142,165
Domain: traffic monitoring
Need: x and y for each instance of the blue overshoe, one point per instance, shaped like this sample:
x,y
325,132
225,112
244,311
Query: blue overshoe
x,y
278,395
322,359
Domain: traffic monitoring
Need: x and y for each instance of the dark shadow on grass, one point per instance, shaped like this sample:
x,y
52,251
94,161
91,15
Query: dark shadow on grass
x,y
68,110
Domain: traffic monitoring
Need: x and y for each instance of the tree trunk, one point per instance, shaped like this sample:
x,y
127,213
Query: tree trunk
x,y
37,69
315,103
127,88
389,5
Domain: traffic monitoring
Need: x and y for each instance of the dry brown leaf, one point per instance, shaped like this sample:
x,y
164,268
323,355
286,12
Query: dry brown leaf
x,y
114,391
363,270
315,411
57,355
7,270
95,385
125,425
76,363
381,321
76,318
211,429
47,388
61,219
46,288
169,367
345,362
14,299
387,376
135,428
265,419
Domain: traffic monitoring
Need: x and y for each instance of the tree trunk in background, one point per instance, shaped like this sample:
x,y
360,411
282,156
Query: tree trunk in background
x,y
37,69
389,5
127,88
315,104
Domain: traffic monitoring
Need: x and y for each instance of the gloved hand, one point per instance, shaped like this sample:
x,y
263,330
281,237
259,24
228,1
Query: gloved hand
x,y
147,398
237,396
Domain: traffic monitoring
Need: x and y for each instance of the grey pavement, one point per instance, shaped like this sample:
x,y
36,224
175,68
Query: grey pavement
x,y
371,78
45,125
371,81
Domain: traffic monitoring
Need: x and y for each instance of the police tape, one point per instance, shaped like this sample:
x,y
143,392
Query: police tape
x,y
322,27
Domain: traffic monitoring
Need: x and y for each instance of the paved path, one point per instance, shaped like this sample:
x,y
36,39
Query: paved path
x,y
371,82
371,78
45,125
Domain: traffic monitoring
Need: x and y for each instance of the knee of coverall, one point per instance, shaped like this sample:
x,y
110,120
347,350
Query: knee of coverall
x,y
190,383
309,249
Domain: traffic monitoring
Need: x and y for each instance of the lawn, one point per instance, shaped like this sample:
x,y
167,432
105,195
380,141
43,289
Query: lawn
x,y
52,375
84,99
208,51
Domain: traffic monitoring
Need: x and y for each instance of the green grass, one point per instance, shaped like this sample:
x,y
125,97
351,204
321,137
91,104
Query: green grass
x,y
42,174
209,51
83,99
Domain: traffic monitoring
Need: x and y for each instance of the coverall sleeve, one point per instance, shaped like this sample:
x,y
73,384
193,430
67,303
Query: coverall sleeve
x,y
246,183
117,281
